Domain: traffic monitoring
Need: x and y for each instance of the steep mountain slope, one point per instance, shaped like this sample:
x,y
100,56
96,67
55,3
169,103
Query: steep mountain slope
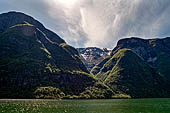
x,y
32,64
156,52
93,55
126,73
96,69
13,18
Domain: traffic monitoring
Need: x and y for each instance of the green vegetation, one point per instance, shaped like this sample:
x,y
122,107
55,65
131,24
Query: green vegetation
x,y
48,93
163,65
36,63
126,73
98,91
121,96
86,106
29,60
97,68
21,25
33,61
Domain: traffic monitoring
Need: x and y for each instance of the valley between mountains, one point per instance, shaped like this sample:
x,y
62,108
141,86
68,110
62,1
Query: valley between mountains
x,y
36,63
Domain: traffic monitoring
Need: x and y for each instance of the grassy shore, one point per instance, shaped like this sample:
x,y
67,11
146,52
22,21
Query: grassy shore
x,y
85,106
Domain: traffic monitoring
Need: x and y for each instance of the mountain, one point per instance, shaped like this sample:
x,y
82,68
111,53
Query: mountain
x,y
37,63
93,55
126,73
97,67
155,52
13,18
137,67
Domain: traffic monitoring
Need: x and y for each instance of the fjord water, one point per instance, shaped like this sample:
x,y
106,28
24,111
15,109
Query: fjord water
x,y
86,106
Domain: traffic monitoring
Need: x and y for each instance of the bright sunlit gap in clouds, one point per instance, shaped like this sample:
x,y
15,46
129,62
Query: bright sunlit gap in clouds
x,y
100,23
67,2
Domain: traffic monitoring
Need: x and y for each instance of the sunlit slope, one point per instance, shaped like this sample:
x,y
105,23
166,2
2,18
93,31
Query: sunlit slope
x,y
127,73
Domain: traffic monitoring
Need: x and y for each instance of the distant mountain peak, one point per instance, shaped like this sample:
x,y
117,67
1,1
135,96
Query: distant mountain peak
x,y
93,55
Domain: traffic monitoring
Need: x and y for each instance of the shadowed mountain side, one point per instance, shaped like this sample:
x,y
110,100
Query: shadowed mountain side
x,y
29,60
127,73
34,66
155,52
13,18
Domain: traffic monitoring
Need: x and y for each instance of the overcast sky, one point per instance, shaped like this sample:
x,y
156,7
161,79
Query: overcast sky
x,y
100,23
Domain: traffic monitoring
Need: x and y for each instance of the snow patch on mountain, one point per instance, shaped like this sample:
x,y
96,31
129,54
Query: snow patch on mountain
x,y
93,55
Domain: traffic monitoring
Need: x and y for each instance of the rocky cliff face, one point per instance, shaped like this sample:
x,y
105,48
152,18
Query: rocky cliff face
x,y
134,63
156,52
127,73
93,55
147,49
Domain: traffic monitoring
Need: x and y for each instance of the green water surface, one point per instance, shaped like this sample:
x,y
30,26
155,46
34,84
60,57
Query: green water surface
x,y
86,106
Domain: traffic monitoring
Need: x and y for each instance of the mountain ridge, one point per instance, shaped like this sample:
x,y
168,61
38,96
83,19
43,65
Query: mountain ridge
x,y
12,18
151,50
153,54
130,70
34,65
